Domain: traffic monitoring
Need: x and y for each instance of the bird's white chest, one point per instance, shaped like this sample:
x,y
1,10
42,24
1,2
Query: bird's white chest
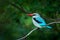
x,y
35,23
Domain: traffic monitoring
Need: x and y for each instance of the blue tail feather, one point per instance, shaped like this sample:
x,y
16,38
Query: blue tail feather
x,y
49,27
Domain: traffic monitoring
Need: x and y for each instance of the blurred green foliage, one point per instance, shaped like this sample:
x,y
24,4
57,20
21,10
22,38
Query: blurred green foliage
x,y
14,23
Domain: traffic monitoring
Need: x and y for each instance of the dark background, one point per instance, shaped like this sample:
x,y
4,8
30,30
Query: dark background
x,y
14,23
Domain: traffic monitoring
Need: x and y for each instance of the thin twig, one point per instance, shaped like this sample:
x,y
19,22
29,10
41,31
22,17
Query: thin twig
x,y
18,7
53,23
28,34
35,29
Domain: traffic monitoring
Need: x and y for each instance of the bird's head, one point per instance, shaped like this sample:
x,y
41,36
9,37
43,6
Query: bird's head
x,y
33,14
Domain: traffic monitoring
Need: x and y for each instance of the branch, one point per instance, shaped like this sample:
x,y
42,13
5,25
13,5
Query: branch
x,y
35,29
18,7
53,23
28,34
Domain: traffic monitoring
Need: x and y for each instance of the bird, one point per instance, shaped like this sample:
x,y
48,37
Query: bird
x,y
38,21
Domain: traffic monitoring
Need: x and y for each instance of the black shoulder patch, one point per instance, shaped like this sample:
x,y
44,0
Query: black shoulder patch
x,y
37,20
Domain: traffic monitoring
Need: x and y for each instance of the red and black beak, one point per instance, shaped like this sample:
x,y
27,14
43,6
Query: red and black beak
x,y
30,14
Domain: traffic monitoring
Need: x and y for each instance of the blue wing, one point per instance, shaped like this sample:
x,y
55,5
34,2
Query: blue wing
x,y
43,23
41,20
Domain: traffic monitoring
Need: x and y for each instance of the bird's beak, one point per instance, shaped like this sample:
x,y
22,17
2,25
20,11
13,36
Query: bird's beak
x,y
30,14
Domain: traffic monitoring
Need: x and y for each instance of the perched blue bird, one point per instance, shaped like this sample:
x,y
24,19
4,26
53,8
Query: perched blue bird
x,y
38,21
